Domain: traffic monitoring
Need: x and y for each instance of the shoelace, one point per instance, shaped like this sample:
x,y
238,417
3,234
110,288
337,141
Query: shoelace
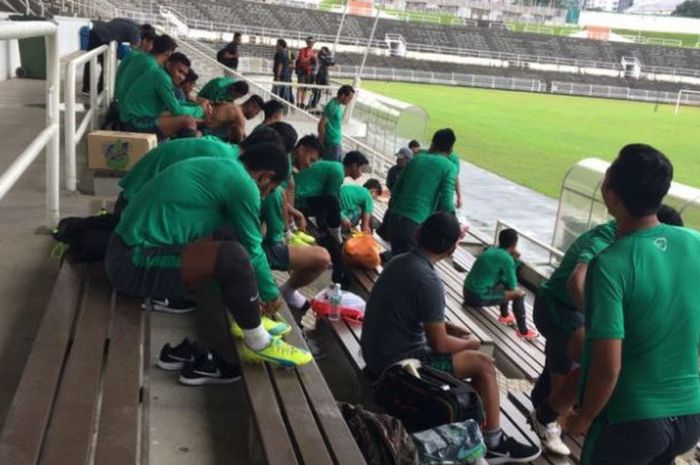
x,y
286,349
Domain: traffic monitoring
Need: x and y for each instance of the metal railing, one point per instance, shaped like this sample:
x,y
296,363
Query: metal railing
x,y
614,92
548,249
49,137
72,135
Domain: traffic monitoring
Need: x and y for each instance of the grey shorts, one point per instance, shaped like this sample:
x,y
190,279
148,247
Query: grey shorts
x,y
277,256
557,323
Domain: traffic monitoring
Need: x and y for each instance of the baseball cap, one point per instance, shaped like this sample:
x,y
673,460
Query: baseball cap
x,y
404,152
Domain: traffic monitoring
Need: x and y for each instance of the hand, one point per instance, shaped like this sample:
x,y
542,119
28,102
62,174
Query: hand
x,y
208,109
521,293
299,219
271,307
459,202
346,223
463,230
579,424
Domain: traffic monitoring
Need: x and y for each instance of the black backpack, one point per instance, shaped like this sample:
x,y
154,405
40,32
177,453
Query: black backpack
x,y
87,238
436,398
382,439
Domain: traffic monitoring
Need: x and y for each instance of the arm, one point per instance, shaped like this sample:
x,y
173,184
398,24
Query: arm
x,y
511,279
366,222
459,193
277,72
441,342
447,190
576,283
322,128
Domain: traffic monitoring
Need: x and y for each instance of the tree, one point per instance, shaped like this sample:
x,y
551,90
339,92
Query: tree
x,y
689,9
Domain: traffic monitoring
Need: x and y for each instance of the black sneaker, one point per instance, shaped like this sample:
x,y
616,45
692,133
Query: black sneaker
x,y
174,358
209,369
172,306
511,451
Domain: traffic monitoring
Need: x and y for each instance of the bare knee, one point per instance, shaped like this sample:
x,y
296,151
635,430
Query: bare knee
x,y
321,258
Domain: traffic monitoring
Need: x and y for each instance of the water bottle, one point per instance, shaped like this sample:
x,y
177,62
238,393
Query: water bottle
x,y
335,301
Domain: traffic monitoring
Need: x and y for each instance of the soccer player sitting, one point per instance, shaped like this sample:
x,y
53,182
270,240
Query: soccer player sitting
x,y
357,204
493,281
223,90
273,112
228,120
136,64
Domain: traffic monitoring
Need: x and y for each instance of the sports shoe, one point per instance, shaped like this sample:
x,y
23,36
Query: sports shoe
x,y
550,435
174,358
208,368
296,241
278,352
177,307
307,238
507,320
511,451
529,335
275,328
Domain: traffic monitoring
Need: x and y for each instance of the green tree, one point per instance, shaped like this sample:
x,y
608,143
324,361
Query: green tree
x,y
689,9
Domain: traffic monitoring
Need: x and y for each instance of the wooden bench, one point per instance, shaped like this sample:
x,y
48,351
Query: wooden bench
x,y
84,390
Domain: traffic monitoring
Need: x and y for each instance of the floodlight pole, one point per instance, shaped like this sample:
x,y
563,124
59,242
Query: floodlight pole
x,y
340,27
358,77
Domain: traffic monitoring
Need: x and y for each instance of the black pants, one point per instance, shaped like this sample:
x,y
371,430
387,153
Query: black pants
x,y
518,307
93,43
326,210
403,234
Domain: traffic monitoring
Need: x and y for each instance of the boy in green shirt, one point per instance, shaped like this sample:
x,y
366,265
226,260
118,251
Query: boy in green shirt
x,y
137,64
330,129
166,243
640,390
493,281
223,90
357,204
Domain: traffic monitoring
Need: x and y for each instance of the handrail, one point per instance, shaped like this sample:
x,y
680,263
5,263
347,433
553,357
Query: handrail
x,y
73,136
49,137
553,252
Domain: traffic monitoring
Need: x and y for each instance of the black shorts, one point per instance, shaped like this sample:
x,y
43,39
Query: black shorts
x,y
557,323
306,78
496,296
277,256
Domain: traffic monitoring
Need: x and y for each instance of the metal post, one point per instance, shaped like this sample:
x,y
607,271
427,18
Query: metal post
x,y
358,79
93,93
53,82
340,26
69,127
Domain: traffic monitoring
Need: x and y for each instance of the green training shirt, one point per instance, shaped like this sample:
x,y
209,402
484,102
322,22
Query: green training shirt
x,y
216,89
171,152
129,71
152,94
426,184
334,118
493,267
193,199
124,63
643,289
583,250
271,215
354,201
321,178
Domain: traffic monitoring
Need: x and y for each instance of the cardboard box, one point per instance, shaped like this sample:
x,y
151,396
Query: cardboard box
x,y
116,151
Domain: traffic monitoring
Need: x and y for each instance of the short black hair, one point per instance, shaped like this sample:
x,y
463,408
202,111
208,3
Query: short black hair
x,y
179,57
439,233
373,184
148,32
163,44
261,136
669,215
287,133
238,87
443,140
641,176
345,90
311,142
269,157
255,100
413,144
273,107
282,43
507,238
237,34
192,76
355,158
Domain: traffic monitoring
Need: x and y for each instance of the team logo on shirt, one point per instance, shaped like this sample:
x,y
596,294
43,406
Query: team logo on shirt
x,y
661,243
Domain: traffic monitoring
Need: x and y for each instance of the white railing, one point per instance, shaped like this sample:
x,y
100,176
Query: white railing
x,y
72,135
615,92
548,249
49,137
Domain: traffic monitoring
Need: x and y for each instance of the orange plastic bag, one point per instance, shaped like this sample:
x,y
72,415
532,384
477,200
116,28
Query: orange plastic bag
x,y
362,251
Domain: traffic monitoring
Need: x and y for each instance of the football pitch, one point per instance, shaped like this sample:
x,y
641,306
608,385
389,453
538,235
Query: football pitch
x,y
533,139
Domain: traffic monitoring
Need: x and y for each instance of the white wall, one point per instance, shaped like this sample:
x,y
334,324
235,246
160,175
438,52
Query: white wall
x,y
640,22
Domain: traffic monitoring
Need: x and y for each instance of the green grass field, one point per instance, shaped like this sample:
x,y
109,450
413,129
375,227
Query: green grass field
x,y
533,139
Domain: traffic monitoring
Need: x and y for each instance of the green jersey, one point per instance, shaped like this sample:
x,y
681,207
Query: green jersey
x,y
216,89
193,199
426,184
355,201
152,94
334,118
321,178
643,289
124,63
583,250
271,215
495,266
130,70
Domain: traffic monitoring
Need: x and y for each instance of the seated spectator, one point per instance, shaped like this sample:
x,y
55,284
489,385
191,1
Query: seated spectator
x,y
415,147
129,71
142,108
223,90
228,120
403,156
640,390
330,127
357,204
184,91
405,318
493,281
166,244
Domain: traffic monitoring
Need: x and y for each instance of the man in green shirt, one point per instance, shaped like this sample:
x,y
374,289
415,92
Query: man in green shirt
x,y
425,186
640,390
223,90
357,204
165,243
493,281
137,64
151,105
330,127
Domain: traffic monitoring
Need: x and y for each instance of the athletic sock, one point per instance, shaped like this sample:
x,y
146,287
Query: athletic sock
x,y
545,414
292,296
256,338
493,438
335,233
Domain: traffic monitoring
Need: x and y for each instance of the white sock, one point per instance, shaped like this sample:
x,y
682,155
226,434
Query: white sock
x,y
292,296
335,232
256,338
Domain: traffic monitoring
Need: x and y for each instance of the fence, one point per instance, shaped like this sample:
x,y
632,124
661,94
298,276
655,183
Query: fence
x,y
49,137
538,247
73,136
615,92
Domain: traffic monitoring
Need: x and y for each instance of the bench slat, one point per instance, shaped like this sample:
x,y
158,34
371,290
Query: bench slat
x,y
23,432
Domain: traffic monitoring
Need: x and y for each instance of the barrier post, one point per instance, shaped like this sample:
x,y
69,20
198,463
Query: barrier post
x,y
53,82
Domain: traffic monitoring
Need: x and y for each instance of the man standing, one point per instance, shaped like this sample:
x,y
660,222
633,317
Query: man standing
x,y
330,127
325,61
228,56
281,72
306,69
403,156
640,390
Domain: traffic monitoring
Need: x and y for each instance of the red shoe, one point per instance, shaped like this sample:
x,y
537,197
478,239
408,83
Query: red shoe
x,y
529,335
507,320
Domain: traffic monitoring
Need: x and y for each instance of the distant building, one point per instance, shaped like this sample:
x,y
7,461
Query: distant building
x,y
603,5
653,7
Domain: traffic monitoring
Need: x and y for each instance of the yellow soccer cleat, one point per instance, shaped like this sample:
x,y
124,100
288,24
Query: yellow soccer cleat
x,y
307,238
296,241
279,353
275,328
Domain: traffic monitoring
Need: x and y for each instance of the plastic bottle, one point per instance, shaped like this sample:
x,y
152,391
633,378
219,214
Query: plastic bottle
x,y
335,301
